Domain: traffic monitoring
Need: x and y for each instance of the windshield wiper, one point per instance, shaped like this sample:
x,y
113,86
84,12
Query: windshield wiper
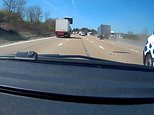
x,y
31,55
68,57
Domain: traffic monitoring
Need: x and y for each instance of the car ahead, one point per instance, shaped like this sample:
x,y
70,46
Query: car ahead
x,y
148,52
83,34
62,84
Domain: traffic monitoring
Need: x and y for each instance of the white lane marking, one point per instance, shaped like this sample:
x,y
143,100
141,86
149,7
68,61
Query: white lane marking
x,y
12,44
60,44
101,47
134,50
112,43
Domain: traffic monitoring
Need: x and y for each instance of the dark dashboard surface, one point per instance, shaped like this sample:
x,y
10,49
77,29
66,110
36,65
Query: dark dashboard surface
x,y
76,80
73,80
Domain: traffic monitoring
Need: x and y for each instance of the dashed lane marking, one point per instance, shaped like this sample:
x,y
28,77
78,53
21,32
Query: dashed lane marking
x,y
134,50
101,47
60,44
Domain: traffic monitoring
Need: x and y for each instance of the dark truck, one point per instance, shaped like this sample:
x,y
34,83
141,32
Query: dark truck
x,y
104,31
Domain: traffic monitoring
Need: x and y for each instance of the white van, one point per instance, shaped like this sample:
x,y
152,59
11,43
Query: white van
x,y
148,52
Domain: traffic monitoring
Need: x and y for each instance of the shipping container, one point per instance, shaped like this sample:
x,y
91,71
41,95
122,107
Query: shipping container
x,y
63,28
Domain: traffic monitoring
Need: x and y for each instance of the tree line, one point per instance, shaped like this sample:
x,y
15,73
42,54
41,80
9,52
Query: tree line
x,y
20,17
17,8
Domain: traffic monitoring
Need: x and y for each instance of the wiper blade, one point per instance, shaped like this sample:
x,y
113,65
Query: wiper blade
x,y
31,55
68,57
8,56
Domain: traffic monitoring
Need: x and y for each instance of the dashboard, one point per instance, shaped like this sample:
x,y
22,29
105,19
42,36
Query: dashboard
x,y
73,80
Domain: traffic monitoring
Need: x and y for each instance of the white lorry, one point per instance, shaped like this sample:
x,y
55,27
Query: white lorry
x,y
63,28
148,52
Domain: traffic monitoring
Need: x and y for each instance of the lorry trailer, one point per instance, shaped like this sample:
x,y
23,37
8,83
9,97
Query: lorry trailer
x,y
104,31
63,28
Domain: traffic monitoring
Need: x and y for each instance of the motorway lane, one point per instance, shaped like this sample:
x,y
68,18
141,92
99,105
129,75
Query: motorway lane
x,y
87,46
45,45
72,47
116,51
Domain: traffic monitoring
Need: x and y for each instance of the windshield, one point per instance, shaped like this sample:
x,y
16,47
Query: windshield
x,y
60,56
105,29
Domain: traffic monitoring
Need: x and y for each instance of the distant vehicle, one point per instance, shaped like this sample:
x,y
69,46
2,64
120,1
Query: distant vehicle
x,y
80,32
83,34
63,28
148,53
104,31
89,33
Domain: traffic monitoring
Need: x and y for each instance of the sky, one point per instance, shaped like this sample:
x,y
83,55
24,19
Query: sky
x,y
123,15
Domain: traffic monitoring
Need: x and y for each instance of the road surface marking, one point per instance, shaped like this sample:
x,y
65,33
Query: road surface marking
x,y
134,50
101,47
113,43
13,44
60,44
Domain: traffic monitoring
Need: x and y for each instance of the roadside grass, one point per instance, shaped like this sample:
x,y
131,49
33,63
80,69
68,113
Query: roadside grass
x,y
10,36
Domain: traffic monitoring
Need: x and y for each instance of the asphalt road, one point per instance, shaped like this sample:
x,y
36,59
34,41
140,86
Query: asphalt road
x,y
79,45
